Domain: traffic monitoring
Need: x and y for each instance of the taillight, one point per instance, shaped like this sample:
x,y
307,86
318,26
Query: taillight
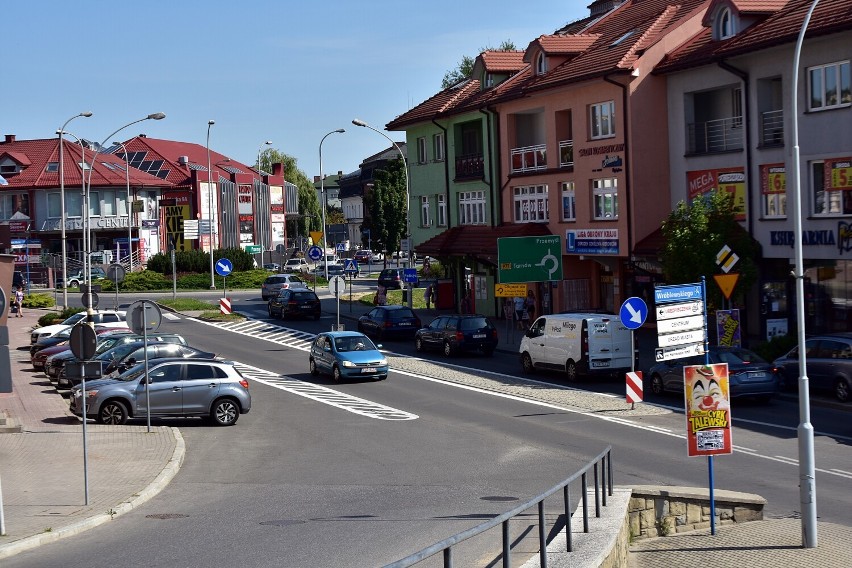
x,y
244,383
494,333
459,336
388,323
293,303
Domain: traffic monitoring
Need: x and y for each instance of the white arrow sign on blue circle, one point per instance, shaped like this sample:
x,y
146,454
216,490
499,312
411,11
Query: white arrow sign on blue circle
x,y
315,253
633,312
224,267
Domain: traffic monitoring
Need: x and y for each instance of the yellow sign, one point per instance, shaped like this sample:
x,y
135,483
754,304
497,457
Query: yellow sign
x,y
316,236
510,290
726,282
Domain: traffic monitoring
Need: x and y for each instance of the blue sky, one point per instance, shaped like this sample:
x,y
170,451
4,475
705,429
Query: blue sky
x,y
276,70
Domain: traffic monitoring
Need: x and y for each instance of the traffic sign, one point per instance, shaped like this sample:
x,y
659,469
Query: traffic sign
x,y
634,312
225,306
667,353
116,273
341,247
254,249
634,386
675,325
83,341
669,311
224,267
677,293
337,285
726,283
350,266
409,275
85,300
529,259
510,290
144,316
315,253
672,339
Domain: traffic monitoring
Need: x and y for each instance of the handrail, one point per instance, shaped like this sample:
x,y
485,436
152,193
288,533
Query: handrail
x,y
446,545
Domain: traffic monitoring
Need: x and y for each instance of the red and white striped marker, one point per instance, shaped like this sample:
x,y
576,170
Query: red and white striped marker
x,y
225,305
634,387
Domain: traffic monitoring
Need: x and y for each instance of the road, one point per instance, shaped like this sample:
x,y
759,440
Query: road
x,y
312,477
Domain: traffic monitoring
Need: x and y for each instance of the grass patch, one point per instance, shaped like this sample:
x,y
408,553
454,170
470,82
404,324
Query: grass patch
x,y
187,304
219,316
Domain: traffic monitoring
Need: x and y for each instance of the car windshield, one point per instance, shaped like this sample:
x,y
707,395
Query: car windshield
x,y
294,279
132,373
739,357
400,314
356,343
75,318
65,333
304,296
469,324
119,351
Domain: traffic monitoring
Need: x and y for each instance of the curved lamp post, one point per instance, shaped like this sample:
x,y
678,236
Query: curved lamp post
x,y
325,201
61,131
359,122
129,207
262,238
210,204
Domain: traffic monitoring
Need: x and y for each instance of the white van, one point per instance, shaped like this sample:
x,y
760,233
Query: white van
x,y
579,344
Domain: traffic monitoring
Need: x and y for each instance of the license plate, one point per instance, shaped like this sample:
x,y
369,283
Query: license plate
x,y
305,307
368,370
405,324
600,363
755,376
479,336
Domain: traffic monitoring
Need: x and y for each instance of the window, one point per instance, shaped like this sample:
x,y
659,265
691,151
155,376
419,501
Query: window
x,y
725,24
530,204
828,201
11,203
737,107
472,208
774,190
442,211
94,204
108,203
541,64
602,120
830,86
73,205
425,219
605,198
52,167
421,150
438,146
489,80
569,211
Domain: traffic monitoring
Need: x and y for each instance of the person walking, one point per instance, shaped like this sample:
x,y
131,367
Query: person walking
x,y
19,301
529,305
519,311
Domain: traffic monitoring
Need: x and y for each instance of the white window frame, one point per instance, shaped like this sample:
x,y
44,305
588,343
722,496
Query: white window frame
x,y
472,208
108,208
422,157
442,211
827,202
530,204
94,204
568,204
425,217
438,146
541,63
725,24
840,68
605,199
775,206
602,120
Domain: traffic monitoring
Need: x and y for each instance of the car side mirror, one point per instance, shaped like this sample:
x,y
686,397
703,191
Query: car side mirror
x,y
131,361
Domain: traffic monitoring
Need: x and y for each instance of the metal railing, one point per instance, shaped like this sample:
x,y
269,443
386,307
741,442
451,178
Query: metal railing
x,y
772,128
566,153
470,165
721,135
529,158
604,459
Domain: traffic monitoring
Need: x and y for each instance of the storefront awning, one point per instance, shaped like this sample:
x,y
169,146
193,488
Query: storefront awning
x,y
477,241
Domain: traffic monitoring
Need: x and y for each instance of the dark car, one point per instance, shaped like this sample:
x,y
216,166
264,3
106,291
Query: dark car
x,y
389,321
294,302
454,333
748,374
829,365
392,278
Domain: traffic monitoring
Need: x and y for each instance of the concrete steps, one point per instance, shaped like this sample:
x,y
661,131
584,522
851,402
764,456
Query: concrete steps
x,y
8,425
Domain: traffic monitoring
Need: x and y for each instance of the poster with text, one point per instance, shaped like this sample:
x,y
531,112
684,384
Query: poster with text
x,y
730,180
728,328
708,409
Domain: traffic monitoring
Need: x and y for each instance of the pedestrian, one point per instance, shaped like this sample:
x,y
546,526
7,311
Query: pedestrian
x,y
381,296
519,311
427,295
19,301
529,305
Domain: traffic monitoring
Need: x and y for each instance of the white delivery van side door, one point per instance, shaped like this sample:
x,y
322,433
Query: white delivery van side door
x,y
535,341
563,341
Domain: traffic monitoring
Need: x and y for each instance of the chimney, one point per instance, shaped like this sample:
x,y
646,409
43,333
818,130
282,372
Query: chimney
x,y
10,138
339,173
278,169
183,160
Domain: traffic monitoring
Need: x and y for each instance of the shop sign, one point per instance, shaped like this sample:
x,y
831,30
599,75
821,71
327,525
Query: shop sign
x,y
591,241
731,180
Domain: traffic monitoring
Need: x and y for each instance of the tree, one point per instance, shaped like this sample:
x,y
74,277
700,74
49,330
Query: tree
x,y
695,233
465,66
310,214
386,203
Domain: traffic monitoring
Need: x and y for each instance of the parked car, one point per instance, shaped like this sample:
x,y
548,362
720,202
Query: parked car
x,y
392,278
333,270
829,365
101,317
59,339
177,387
273,284
454,333
75,279
388,321
296,265
748,374
272,267
294,302
347,355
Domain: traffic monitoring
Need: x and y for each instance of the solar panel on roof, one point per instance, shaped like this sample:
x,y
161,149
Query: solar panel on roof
x,y
197,167
232,170
163,174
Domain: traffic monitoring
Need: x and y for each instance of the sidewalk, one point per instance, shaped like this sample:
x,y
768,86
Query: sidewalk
x,y
43,491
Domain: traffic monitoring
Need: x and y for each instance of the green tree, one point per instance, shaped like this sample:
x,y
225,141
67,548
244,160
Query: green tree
x,y
695,233
463,69
386,203
310,214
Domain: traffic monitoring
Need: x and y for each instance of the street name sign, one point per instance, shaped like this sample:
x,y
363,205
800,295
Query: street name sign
x,y
672,339
254,249
677,293
684,309
667,353
680,324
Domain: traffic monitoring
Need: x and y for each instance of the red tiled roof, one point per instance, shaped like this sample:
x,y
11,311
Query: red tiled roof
x,y
563,44
758,6
435,105
17,156
502,61
478,241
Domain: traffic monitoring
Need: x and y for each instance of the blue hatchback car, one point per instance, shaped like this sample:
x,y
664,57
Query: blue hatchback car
x,y
347,355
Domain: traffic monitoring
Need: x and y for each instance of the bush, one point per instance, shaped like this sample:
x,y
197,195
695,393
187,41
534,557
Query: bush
x,y
777,346
39,301
198,261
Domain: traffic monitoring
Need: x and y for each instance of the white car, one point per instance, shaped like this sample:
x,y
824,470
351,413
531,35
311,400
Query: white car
x,y
296,265
106,318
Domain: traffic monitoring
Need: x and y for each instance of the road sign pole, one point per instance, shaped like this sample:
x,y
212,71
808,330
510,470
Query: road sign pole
x,y
710,457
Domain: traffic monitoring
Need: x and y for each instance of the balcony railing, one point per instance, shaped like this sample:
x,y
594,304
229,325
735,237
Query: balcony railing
x,y
470,166
772,128
529,159
722,135
566,153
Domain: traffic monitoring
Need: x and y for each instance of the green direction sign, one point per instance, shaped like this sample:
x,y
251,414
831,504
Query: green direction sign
x,y
253,249
529,259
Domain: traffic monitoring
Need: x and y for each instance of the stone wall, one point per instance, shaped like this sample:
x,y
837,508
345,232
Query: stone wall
x,y
654,512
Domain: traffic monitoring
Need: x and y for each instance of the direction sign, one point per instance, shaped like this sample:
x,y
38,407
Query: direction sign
x,y
677,293
529,259
254,249
409,275
337,285
510,290
667,353
224,267
350,266
315,253
675,325
669,311
634,312
672,339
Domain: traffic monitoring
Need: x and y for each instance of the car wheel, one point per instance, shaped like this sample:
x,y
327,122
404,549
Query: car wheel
x,y
841,390
571,370
73,284
448,349
225,412
335,373
527,364
314,370
418,343
113,413
657,384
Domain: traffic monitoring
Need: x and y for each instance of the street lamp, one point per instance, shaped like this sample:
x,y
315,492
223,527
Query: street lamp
x,y
61,131
210,204
325,201
359,122
129,205
262,238
83,166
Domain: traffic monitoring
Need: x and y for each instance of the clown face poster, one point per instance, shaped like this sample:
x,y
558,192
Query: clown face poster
x,y
708,409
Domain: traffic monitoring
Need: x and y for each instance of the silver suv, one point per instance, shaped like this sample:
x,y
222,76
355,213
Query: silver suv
x,y
177,387
273,284
829,361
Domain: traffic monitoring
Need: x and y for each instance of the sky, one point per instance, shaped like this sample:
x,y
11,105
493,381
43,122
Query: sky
x,y
278,70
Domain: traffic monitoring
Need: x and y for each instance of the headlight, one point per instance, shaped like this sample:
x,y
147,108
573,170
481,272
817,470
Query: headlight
x,y
349,364
91,393
383,362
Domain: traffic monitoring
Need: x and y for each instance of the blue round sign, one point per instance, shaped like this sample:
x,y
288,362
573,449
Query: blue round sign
x,y
633,312
315,253
224,267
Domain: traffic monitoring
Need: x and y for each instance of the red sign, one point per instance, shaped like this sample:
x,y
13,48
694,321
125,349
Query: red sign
x,y
19,226
225,305
634,386
708,409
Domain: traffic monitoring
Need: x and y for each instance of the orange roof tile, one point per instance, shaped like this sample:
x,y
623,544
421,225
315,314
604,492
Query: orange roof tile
x,y
503,61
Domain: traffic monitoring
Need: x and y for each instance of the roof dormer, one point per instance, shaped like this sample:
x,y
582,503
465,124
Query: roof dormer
x,y
493,67
727,18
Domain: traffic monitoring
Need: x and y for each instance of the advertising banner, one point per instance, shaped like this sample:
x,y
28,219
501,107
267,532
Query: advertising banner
x,y
731,180
708,409
728,328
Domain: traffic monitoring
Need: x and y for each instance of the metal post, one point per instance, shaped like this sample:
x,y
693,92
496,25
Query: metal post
x,y
145,349
210,185
566,499
324,205
542,537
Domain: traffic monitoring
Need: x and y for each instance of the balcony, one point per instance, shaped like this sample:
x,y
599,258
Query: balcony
x,y
470,166
529,159
772,128
566,153
721,135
